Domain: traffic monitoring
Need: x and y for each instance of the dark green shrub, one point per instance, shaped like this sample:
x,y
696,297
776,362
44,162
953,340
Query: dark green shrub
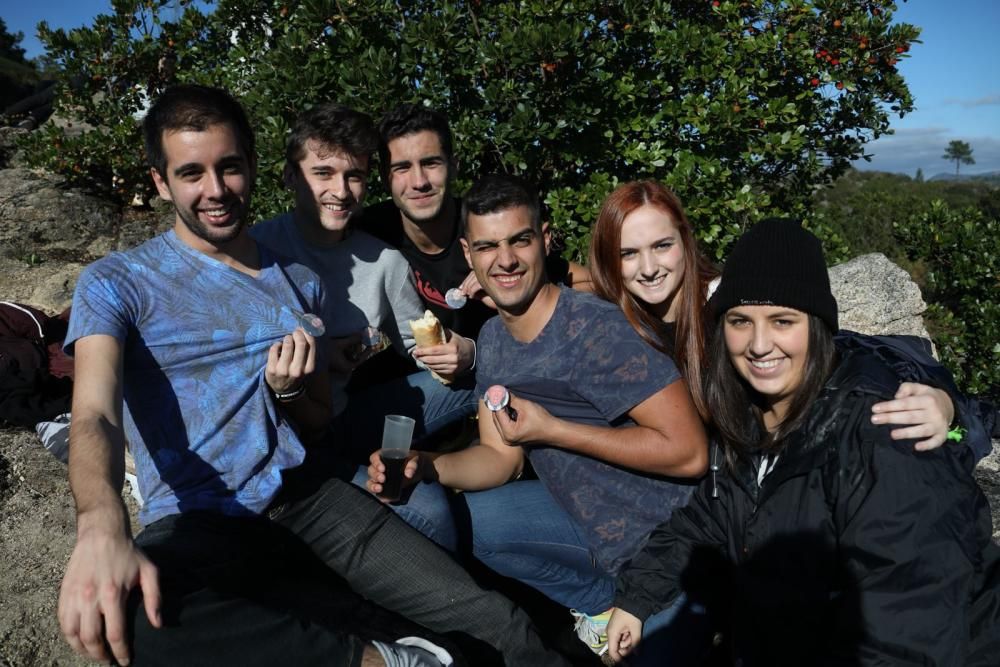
x,y
861,207
741,106
956,254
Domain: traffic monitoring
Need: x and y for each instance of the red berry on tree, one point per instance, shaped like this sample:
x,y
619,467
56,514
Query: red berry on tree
x,y
814,81
840,85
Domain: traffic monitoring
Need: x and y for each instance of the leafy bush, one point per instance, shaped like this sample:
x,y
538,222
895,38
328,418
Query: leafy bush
x,y
17,75
741,107
956,255
861,207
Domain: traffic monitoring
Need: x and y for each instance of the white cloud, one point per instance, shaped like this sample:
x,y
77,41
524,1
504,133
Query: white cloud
x,y
922,147
986,101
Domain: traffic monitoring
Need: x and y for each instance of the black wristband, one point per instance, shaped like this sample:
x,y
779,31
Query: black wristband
x,y
289,396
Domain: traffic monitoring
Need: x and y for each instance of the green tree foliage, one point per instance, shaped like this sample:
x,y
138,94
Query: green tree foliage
x,y
10,44
861,207
945,233
16,73
957,253
960,152
741,106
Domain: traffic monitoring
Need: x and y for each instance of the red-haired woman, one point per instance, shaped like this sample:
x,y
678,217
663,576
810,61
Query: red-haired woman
x,y
645,258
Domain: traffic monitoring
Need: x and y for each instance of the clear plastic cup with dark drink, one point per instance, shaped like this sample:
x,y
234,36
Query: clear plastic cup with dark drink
x,y
394,461
397,433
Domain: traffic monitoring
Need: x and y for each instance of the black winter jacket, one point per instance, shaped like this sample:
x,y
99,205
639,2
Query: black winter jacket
x,y
855,549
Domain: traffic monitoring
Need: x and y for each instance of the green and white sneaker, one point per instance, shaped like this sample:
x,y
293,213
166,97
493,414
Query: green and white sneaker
x,y
592,630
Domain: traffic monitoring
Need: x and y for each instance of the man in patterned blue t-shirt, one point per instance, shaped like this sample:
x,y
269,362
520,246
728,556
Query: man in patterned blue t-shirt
x,y
604,419
183,349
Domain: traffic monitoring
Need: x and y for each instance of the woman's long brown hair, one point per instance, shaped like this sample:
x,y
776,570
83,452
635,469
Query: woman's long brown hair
x,y
606,270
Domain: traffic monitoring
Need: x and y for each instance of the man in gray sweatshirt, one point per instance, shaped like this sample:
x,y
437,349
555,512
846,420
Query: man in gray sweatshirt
x,y
368,283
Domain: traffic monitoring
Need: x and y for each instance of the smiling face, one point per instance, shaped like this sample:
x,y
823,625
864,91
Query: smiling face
x,y
769,346
507,253
652,259
330,187
208,179
419,172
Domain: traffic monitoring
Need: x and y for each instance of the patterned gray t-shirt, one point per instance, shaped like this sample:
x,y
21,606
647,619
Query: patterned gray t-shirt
x,y
589,366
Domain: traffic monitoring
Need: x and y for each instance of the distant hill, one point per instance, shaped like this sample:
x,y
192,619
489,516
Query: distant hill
x,y
989,177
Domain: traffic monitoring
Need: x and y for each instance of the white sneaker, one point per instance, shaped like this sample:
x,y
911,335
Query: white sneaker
x,y
592,630
413,652
438,652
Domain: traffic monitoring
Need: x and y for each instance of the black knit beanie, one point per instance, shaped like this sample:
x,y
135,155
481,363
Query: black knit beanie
x,y
777,263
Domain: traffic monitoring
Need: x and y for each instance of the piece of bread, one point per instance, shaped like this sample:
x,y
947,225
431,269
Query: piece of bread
x,y
427,331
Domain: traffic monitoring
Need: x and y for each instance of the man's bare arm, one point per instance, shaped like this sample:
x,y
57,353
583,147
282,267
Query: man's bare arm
x,y
97,442
105,564
668,438
485,465
490,464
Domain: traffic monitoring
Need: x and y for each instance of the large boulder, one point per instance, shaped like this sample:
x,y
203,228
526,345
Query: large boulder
x,y
874,296
10,155
41,215
49,231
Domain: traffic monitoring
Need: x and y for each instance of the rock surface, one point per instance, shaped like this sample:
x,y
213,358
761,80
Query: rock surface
x,y
65,230
39,214
874,296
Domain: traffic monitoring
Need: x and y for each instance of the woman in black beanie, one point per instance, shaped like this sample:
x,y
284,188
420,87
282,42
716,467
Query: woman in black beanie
x,y
830,541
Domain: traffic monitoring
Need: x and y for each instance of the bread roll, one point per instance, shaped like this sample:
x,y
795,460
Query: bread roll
x,y
427,331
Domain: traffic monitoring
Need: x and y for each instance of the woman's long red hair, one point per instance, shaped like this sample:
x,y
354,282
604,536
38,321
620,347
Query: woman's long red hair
x,y
606,270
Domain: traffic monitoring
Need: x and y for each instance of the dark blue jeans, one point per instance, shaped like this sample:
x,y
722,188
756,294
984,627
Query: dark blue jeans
x,y
520,531
231,595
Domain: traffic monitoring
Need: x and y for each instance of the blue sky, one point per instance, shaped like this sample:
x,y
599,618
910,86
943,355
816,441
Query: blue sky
x,y
954,76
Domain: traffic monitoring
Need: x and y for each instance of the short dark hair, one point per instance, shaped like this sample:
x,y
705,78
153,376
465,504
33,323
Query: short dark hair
x,y
197,108
336,127
410,119
734,404
499,192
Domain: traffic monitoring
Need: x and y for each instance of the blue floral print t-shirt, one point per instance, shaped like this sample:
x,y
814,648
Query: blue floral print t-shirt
x,y
202,426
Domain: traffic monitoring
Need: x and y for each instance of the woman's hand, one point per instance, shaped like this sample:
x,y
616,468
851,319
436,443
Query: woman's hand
x,y
624,634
